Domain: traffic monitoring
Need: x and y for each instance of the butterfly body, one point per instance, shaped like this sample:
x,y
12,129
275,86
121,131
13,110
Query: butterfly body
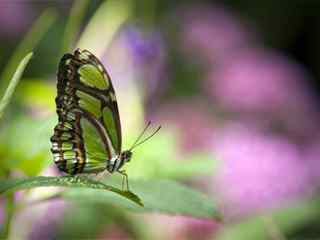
x,y
87,138
115,164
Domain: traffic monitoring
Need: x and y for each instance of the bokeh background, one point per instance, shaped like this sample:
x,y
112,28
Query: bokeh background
x,y
234,84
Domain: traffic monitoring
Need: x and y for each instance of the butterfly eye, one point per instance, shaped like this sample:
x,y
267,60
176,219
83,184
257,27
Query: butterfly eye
x,y
126,155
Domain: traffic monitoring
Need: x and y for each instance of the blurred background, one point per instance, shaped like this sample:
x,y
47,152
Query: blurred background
x,y
234,84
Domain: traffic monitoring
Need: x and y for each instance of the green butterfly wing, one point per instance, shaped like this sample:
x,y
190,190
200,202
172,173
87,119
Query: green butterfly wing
x,y
88,133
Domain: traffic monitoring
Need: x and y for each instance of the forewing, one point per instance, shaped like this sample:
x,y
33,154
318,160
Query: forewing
x,y
89,131
95,81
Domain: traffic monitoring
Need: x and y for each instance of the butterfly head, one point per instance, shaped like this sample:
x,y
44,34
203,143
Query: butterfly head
x,y
116,163
126,156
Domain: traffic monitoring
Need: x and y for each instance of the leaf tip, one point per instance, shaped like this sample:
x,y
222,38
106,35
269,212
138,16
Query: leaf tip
x,y
133,197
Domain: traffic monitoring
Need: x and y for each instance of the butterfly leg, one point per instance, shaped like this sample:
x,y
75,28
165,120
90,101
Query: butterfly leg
x,y
124,178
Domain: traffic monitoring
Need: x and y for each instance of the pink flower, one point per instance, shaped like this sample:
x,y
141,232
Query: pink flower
x,y
213,32
312,157
15,17
258,80
262,84
259,171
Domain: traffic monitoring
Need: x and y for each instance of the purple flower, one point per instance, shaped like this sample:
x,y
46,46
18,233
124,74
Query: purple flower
x,y
15,17
259,171
259,80
144,55
146,47
250,83
213,32
263,83
312,155
148,51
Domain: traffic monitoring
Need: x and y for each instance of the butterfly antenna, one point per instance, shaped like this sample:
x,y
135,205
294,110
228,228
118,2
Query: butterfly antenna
x,y
147,138
141,134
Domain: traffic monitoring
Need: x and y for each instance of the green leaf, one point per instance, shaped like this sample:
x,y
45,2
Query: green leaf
x,y
13,83
109,17
170,197
72,29
66,181
30,41
161,196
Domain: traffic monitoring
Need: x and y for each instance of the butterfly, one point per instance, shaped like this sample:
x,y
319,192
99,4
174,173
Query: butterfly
x,y
87,138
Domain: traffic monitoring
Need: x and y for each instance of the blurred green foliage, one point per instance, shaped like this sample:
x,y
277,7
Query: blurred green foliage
x,y
28,44
26,149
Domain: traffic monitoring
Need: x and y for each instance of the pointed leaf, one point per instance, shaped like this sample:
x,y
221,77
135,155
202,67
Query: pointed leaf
x,y
161,196
13,83
66,181
29,42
